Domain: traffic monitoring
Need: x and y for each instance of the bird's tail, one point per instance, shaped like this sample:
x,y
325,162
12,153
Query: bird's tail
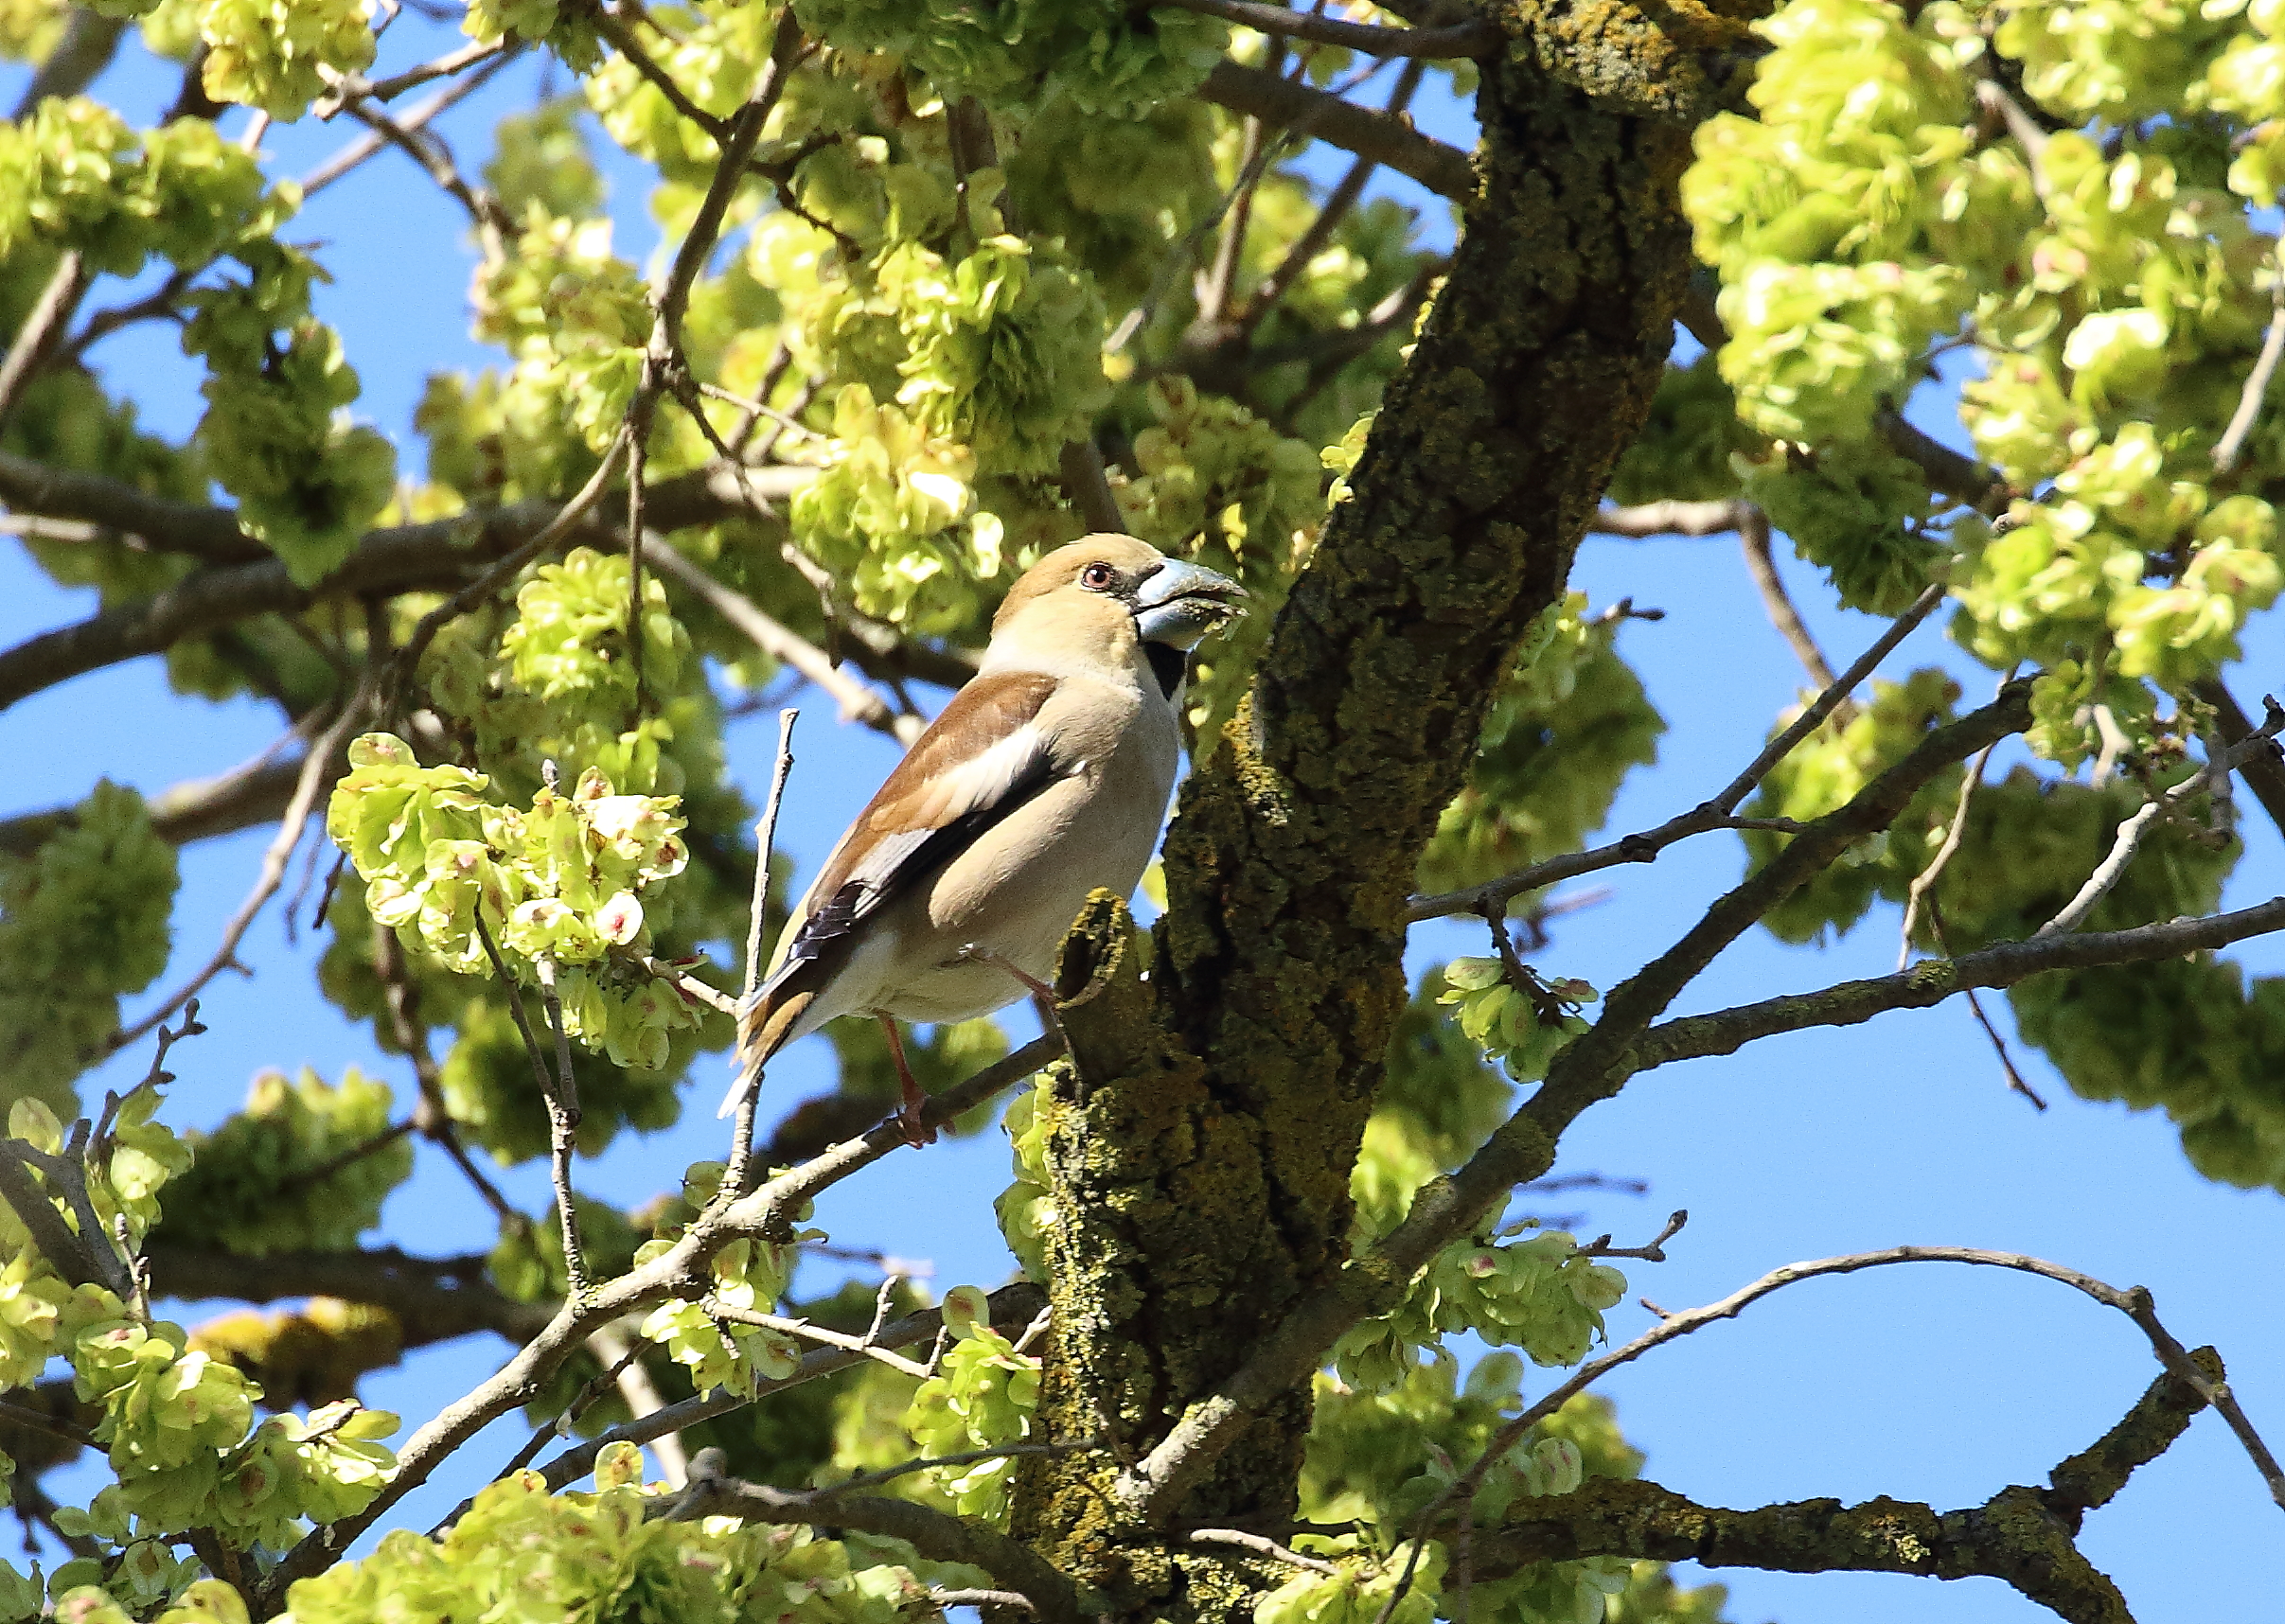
x,y
763,1027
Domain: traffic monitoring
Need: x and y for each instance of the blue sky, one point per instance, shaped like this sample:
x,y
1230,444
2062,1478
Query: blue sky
x,y
1929,1382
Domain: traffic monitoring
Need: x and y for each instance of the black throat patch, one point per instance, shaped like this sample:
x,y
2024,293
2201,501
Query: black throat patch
x,y
1168,664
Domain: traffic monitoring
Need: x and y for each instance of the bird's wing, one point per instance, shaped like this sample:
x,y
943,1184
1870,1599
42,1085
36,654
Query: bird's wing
x,y
983,756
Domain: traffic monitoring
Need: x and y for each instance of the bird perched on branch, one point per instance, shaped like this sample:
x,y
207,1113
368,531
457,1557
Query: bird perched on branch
x,y
1046,777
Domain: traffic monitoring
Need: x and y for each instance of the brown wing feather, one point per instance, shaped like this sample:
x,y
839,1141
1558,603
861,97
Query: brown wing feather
x,y
973,766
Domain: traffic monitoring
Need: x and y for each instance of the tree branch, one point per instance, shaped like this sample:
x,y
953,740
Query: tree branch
x,y
679,1272
2006,1538
425,556
1388,141
858,702
434,1300
937,1535
1753,536
1644,846
1593,1066
2264,776
1012,1308
1475,39
1933,981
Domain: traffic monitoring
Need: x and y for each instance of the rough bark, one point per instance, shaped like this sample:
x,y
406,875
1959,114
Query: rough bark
x,y
1200,1155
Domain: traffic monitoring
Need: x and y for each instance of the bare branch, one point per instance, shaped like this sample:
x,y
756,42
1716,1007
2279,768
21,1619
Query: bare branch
x,y
1263,1545
2257,381
563,1133
431,556
65,288
1753,536
680,1271
567,518
613,29
445,66
1646,519
1653,1251
1338,204
83,1258
272,874
428,149
622,1358
937,1535
2261,742
1924,880
1593,1066
1458,40
355,152
434,1300
1714,814
1011,1306
1933,981
811,1332
2134,1302
1445,170
1948,472
858,702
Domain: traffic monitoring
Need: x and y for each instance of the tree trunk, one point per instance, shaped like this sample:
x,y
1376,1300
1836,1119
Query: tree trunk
x,y
1200,1152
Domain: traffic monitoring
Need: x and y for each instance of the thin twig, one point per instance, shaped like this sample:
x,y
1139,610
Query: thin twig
x,y
1753,536
1338,201
1652,1252
1009,1304
1644,846
1999,1048
428,149
622,1356
1263,1544
857,701
563,1130
445,66
935,1534
622,39
2130,833
1455,40
1671,517
1925,880
483,587
739,1167
681,1270
274,861
2134,1302
66,286
2257,381
352,153
811,1331
686,984
433,1118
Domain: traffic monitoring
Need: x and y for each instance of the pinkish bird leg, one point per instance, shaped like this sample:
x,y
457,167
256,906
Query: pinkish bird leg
x,y
916,1132
1043,995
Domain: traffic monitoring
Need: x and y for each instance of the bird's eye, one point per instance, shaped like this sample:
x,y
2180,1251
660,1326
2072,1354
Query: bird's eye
x,y
1098,577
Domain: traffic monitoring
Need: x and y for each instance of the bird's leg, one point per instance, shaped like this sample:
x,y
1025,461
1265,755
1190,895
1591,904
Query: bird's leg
x,y
1043,995
915,1101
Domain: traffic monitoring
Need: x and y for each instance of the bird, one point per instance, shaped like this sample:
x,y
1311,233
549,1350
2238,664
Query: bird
x,y
1044,779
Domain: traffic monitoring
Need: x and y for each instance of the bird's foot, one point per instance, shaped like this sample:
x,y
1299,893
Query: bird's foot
x,y
976,953
911,1118
913,1121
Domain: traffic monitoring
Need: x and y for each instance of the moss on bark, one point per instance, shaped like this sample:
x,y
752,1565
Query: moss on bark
x,y
1200,1151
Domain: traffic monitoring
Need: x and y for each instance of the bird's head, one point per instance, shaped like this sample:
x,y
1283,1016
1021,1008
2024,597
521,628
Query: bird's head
x,y
1110,600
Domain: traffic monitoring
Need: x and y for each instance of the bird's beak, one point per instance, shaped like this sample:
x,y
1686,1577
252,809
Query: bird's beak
x,y
1181,603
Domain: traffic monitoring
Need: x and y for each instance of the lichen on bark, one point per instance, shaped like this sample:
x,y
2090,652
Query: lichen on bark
x,y
1200,1154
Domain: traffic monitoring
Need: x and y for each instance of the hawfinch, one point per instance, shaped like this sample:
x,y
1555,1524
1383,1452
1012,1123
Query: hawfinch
x,y
1046,777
